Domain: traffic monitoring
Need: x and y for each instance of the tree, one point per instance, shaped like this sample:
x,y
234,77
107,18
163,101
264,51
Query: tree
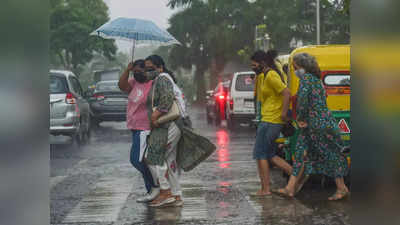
x,y
225,29
71,22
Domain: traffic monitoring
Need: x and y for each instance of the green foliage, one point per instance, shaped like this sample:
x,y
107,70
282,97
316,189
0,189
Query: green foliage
x,y
71,22
225,30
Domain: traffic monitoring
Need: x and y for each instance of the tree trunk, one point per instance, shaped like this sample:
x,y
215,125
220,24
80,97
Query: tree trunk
x,y
62,60
213,74
217,66
199,80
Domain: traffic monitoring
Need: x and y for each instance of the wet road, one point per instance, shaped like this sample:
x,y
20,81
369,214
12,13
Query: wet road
x,y
97,185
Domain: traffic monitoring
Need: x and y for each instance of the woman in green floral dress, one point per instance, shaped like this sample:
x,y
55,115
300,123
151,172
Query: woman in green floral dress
x,y
162,144
318,148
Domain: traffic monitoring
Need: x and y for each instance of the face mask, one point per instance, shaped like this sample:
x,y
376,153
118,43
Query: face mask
x,y
258,70
300,73
140,77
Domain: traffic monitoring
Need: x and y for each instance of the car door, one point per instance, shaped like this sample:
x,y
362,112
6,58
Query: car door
x,y
83,105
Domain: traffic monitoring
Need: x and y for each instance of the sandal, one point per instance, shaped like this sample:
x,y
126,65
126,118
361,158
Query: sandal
x,y
283,192
339,195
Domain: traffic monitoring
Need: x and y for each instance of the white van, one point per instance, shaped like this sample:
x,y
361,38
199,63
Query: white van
x,y
240,104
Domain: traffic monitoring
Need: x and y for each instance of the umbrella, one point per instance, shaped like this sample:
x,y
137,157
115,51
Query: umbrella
x,y
138,31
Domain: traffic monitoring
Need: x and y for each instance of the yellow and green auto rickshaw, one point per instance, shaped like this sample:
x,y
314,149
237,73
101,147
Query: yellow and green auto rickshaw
x,y
334,62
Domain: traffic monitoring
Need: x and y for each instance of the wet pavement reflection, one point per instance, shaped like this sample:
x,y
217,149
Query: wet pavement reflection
x,y
97,185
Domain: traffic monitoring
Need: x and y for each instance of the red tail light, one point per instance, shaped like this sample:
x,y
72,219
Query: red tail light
x,y
70,99
230,103
222,97
98,97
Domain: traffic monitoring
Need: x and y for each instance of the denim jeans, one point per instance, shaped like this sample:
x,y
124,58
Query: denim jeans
x,y
137,152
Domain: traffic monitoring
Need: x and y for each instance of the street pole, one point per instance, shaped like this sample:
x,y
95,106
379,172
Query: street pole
x,y
318,25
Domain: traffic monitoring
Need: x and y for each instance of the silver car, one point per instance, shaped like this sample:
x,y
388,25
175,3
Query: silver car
x,y
69,110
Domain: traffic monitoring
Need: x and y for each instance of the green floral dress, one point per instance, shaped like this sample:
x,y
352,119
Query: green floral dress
x,y
321,139
163,100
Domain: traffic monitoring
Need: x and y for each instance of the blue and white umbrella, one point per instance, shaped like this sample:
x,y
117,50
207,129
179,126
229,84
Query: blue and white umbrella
x,y
138,31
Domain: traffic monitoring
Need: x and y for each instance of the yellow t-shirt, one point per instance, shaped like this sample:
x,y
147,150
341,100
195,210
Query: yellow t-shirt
x,y
271,97
259,79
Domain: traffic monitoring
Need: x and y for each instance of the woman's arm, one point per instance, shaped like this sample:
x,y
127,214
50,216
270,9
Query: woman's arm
x,y
123,83
302,107
164,96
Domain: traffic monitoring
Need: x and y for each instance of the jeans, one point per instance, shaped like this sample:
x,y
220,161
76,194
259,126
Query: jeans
x,y
137,152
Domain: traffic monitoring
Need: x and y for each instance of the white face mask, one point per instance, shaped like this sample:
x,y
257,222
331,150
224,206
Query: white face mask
x,y
300,73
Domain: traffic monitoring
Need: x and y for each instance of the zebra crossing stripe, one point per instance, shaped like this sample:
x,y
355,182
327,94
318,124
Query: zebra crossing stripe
x,y
103,204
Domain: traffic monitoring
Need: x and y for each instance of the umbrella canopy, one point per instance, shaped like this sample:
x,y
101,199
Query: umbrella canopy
x,y
136,30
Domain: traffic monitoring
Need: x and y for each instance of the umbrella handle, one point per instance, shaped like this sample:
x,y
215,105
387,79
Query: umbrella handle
x,y
133,49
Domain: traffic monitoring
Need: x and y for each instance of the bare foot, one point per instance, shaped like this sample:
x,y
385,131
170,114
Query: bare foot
x,y
262,193
284,192
339,195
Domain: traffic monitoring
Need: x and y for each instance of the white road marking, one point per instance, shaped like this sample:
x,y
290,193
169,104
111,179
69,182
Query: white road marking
x,y
56,180
103,204
194,208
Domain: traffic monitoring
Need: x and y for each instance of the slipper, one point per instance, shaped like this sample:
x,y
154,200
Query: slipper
x,y
283,192
339,195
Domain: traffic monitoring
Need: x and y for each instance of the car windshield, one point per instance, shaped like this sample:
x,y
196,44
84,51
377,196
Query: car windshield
x,y
57,85
244,83
107,86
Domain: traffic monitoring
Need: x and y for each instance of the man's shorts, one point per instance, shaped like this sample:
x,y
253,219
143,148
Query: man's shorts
x,y
265,147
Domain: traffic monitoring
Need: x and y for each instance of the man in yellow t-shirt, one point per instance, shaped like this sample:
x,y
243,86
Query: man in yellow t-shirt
x,y
274,97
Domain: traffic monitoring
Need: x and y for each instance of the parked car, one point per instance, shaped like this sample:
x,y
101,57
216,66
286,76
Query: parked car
x,y
108,102
240,103
69,110
218,102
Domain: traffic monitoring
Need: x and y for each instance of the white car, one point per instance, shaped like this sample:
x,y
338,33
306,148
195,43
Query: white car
x,y
240,104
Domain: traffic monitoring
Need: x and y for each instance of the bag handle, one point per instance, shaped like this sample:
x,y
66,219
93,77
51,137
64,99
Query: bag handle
x,y
152,96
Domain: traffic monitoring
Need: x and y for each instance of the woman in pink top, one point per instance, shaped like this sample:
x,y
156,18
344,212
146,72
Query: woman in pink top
x,y
137,120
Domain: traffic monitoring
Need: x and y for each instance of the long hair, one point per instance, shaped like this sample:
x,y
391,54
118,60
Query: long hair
x,y
309,63
258,56
159,63
269,60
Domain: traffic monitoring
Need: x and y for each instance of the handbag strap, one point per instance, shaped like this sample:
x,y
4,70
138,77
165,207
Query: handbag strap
x,y
152,96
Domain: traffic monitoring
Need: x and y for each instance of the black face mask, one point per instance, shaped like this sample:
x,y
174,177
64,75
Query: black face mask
x,y
140,77
258,70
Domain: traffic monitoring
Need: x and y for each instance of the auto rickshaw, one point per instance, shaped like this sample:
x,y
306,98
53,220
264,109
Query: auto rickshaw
x,y
334,62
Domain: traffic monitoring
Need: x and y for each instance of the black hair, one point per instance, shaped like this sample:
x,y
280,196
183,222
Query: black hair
x,y
269,61
140,63
159,63
285,68
258,56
